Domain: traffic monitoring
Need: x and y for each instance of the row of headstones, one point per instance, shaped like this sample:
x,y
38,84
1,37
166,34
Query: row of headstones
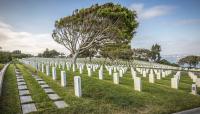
x,y
175,83
90,67
68,64
196,82
122,70
77,79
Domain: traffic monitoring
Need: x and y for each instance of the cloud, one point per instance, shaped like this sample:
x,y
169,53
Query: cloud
x,y
4,25
26,42
175,46
152,12
188,21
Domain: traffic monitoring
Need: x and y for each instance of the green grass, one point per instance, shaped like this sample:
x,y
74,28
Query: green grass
x,y
38,95
1,66
9,101
102,96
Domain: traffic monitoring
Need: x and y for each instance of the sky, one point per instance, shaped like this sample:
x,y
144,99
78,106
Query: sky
x,y
27,25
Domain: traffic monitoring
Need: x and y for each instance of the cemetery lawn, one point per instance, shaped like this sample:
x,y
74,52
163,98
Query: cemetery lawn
x,y
9,100
102,96
1,66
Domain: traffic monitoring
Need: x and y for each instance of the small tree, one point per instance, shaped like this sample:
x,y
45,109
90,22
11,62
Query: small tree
x,y
155,52
95,26
141,54
49,53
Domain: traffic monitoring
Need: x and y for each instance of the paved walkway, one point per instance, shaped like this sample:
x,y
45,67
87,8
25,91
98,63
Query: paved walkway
x,y
27,103
191,111
51,93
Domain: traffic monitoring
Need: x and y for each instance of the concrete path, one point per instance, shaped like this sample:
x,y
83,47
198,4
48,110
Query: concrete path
x,y
191,111
50,92
27,104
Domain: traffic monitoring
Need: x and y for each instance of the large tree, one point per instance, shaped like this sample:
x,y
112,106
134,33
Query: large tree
x,y
95,26
191,60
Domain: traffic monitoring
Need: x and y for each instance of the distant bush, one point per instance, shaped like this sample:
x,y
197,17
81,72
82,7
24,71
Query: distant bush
x,y
5,57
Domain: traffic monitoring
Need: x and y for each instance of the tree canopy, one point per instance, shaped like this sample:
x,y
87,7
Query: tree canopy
x,y
141,54
191,60
155,52
97,25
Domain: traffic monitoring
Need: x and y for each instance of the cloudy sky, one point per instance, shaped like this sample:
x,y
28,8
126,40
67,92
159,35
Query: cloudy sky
x,y
174,24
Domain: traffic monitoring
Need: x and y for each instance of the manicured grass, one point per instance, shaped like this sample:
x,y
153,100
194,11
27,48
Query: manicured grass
x,y
1,66
102,96
9,101
38,95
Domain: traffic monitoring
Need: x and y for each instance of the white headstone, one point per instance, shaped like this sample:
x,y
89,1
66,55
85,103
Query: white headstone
x,y
115,78
101,74
198,82
42,67
137,84
163,74
110,71
80,70
144,73
134,74
77,86
89,72
120,73
63,79
114,69
54,73
174,83
158,76
151,78
47,70
74,67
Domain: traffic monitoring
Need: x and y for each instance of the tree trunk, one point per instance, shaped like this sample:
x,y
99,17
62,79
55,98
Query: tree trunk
x,y
74,58
90,58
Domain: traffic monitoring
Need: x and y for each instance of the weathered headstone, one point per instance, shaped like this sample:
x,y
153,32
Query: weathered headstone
x,y
194,89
